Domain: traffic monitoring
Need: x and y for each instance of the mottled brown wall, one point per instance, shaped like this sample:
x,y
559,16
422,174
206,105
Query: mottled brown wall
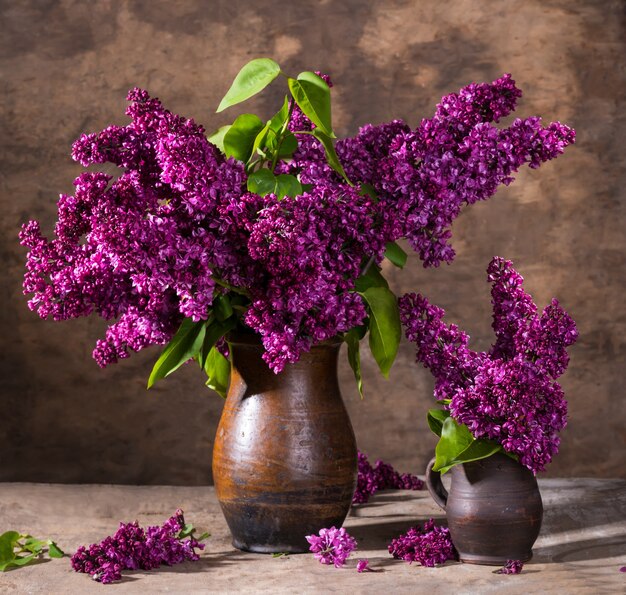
x,y
65,68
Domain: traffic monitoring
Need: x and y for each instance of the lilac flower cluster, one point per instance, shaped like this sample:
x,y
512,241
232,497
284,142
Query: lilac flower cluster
x,y
509,394
133,548
381,476
178,227
511,567
429,545
424,176
141,249
332,546
312,247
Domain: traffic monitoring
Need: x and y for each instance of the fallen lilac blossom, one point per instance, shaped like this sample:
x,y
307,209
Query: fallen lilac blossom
x,y
133,548
332,546
381,476
429,545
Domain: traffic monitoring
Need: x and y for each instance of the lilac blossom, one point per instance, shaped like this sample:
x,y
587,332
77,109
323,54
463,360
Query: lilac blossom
x,y
381,476
312,247
332,546
511,567
429,545
133,548
363,566
425,176
509,394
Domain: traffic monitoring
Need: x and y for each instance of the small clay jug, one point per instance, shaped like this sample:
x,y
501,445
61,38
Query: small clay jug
x,y
284,458
494,509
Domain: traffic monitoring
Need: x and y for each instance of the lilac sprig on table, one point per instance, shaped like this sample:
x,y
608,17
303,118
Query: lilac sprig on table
x,y
135,548
429,545
332,546
381,476
506,399
267,227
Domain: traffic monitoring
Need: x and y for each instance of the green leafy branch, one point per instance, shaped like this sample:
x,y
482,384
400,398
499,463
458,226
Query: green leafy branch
x,y
259,145
18,549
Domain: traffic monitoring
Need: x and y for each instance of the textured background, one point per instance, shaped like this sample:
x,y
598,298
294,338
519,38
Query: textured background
x,y
65,68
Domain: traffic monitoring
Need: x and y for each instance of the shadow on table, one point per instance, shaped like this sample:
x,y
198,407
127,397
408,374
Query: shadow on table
x,y
587,549
206,563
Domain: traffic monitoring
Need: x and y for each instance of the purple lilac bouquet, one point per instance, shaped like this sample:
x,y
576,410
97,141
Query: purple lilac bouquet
x,y
504,400
267,227
135,548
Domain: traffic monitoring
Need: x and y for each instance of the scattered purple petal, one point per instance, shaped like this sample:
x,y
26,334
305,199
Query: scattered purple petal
x,y
363,566
511,567
332,546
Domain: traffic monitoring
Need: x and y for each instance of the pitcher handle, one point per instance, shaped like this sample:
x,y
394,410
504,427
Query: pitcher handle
x,y
435,487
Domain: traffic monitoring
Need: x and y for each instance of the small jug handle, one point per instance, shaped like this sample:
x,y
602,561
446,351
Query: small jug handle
x,y
435,487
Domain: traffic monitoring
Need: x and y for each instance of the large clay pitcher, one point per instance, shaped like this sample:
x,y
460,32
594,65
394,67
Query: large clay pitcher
x,y
284,459
494,509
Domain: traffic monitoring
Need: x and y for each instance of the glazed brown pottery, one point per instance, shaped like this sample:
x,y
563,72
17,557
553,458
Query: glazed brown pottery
x,y
494,509
284,459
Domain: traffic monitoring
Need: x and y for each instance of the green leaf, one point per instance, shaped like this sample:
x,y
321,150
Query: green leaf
x,y
54,551
250,80
184,345
187,530
280,554
17,562
215,330
395,254
331,154
217,138
312,95
287,146
262,182
436,418
371,278
279,119
385,329
455,438
217,369
7,544
240,138
32,545
222,307
259,142
354,356
287,185
204,536
457,445
368,190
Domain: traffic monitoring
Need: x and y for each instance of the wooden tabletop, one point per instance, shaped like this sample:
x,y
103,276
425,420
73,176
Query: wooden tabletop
x,y
581,547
